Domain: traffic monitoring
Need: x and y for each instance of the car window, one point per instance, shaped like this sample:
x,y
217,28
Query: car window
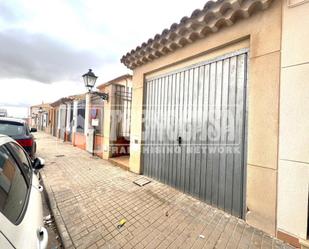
x,y
13,187
22,158
27,129
11,128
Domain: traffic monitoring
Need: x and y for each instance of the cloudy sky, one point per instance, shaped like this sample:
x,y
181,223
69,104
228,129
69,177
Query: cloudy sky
x,y
46,45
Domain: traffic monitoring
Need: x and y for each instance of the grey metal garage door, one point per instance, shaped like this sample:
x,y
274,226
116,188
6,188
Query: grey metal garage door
x,y
195,130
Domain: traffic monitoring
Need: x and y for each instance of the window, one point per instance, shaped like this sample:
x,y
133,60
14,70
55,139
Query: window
x,y
23,160
71,117
13,187
122,110
63,112
27,129
12,129
81,116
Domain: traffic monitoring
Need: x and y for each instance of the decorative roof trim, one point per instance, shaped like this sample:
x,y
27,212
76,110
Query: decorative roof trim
x,y
43,105
61,101
116,80
201,23
68,99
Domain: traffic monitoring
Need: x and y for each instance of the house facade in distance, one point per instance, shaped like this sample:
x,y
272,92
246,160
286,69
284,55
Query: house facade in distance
x,y
40,117
102,127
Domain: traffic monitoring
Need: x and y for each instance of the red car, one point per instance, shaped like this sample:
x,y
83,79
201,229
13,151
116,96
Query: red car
x,y
19,130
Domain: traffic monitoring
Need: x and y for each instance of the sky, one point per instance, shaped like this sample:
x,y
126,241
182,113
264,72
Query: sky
x,y
46,45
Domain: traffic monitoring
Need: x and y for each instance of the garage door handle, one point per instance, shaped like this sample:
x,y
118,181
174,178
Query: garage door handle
x,y
179,141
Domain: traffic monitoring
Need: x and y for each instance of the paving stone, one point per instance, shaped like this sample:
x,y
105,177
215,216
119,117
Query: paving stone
x,y
90,196
226,234
236,236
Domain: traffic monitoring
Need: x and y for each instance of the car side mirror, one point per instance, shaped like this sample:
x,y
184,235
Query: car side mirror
x,y
33,130
38,163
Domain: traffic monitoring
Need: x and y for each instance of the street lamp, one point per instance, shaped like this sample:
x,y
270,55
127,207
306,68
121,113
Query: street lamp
x,y
89,79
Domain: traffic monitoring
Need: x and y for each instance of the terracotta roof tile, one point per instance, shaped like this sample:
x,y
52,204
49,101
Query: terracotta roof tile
x,y
116,80
68,99
43,105
202,22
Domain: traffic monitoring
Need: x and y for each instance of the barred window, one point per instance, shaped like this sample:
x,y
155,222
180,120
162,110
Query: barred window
x,y
81,116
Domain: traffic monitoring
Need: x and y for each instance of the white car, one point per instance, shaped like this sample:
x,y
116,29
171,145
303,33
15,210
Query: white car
x,y
21,210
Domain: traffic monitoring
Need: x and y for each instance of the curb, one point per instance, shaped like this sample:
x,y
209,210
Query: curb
x,y
63,232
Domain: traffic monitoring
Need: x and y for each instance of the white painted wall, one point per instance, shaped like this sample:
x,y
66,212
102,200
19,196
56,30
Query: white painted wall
x,y
293,174
68,127
75,105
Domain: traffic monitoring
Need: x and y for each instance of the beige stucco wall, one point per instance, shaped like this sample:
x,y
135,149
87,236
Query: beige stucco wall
x,y
260,33
294,122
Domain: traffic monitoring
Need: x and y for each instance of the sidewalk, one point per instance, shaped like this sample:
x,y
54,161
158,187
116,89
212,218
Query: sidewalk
x,y
89,197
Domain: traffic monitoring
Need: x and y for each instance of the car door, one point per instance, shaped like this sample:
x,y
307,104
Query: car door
x,y
4,243
21,218
14,195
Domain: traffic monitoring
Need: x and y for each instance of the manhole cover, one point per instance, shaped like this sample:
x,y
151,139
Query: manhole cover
x,y
141,181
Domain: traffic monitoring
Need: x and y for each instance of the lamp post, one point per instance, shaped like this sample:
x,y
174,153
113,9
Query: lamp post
x,y
89,80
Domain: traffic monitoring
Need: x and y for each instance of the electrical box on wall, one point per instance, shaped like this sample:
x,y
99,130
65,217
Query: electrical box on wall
x,y
95,122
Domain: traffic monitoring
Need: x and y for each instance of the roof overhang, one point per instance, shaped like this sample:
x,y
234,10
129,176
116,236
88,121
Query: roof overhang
x,y
61,101
201,23
68,99
116,80
47,105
